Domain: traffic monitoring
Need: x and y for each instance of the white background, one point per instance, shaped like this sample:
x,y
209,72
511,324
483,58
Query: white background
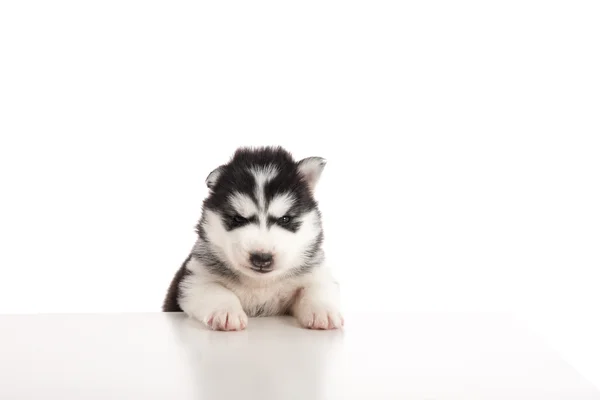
x,y
462,140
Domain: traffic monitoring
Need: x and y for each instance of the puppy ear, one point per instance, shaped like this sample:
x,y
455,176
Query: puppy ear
x,y
311,168
212,178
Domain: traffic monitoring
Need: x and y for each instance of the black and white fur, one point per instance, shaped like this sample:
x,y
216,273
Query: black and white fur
x,y
259,248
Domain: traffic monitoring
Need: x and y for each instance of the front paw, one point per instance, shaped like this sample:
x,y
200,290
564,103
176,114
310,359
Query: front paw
x,y
315,316
227,320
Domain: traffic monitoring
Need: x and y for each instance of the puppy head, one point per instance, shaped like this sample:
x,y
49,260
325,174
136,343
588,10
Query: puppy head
x,y
261,217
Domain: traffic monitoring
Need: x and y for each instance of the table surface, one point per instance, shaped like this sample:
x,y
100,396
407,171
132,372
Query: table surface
x,y
376,356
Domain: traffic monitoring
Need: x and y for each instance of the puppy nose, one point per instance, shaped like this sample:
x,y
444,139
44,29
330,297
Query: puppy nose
x,y
261,260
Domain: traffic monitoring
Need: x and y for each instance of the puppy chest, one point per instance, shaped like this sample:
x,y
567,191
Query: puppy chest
x,y
258,302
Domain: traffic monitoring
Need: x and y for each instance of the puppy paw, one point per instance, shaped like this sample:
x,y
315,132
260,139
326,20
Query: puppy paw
x,y
319,317
227,320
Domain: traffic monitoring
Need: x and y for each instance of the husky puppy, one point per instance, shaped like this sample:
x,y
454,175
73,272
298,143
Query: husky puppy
x,y
259,246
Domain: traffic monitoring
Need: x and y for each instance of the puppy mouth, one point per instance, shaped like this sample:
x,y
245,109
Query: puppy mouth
x,y
262,270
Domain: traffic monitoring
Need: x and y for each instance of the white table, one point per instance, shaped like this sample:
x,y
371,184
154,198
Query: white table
x,y
377,356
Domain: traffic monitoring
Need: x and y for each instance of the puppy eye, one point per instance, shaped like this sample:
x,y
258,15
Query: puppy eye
x,y
238,219
285,220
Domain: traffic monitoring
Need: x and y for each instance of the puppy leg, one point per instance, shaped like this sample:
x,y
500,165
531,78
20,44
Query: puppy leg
x,y
317,306
214,305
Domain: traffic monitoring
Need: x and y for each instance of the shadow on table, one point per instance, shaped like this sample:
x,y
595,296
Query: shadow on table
x,y
273,359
